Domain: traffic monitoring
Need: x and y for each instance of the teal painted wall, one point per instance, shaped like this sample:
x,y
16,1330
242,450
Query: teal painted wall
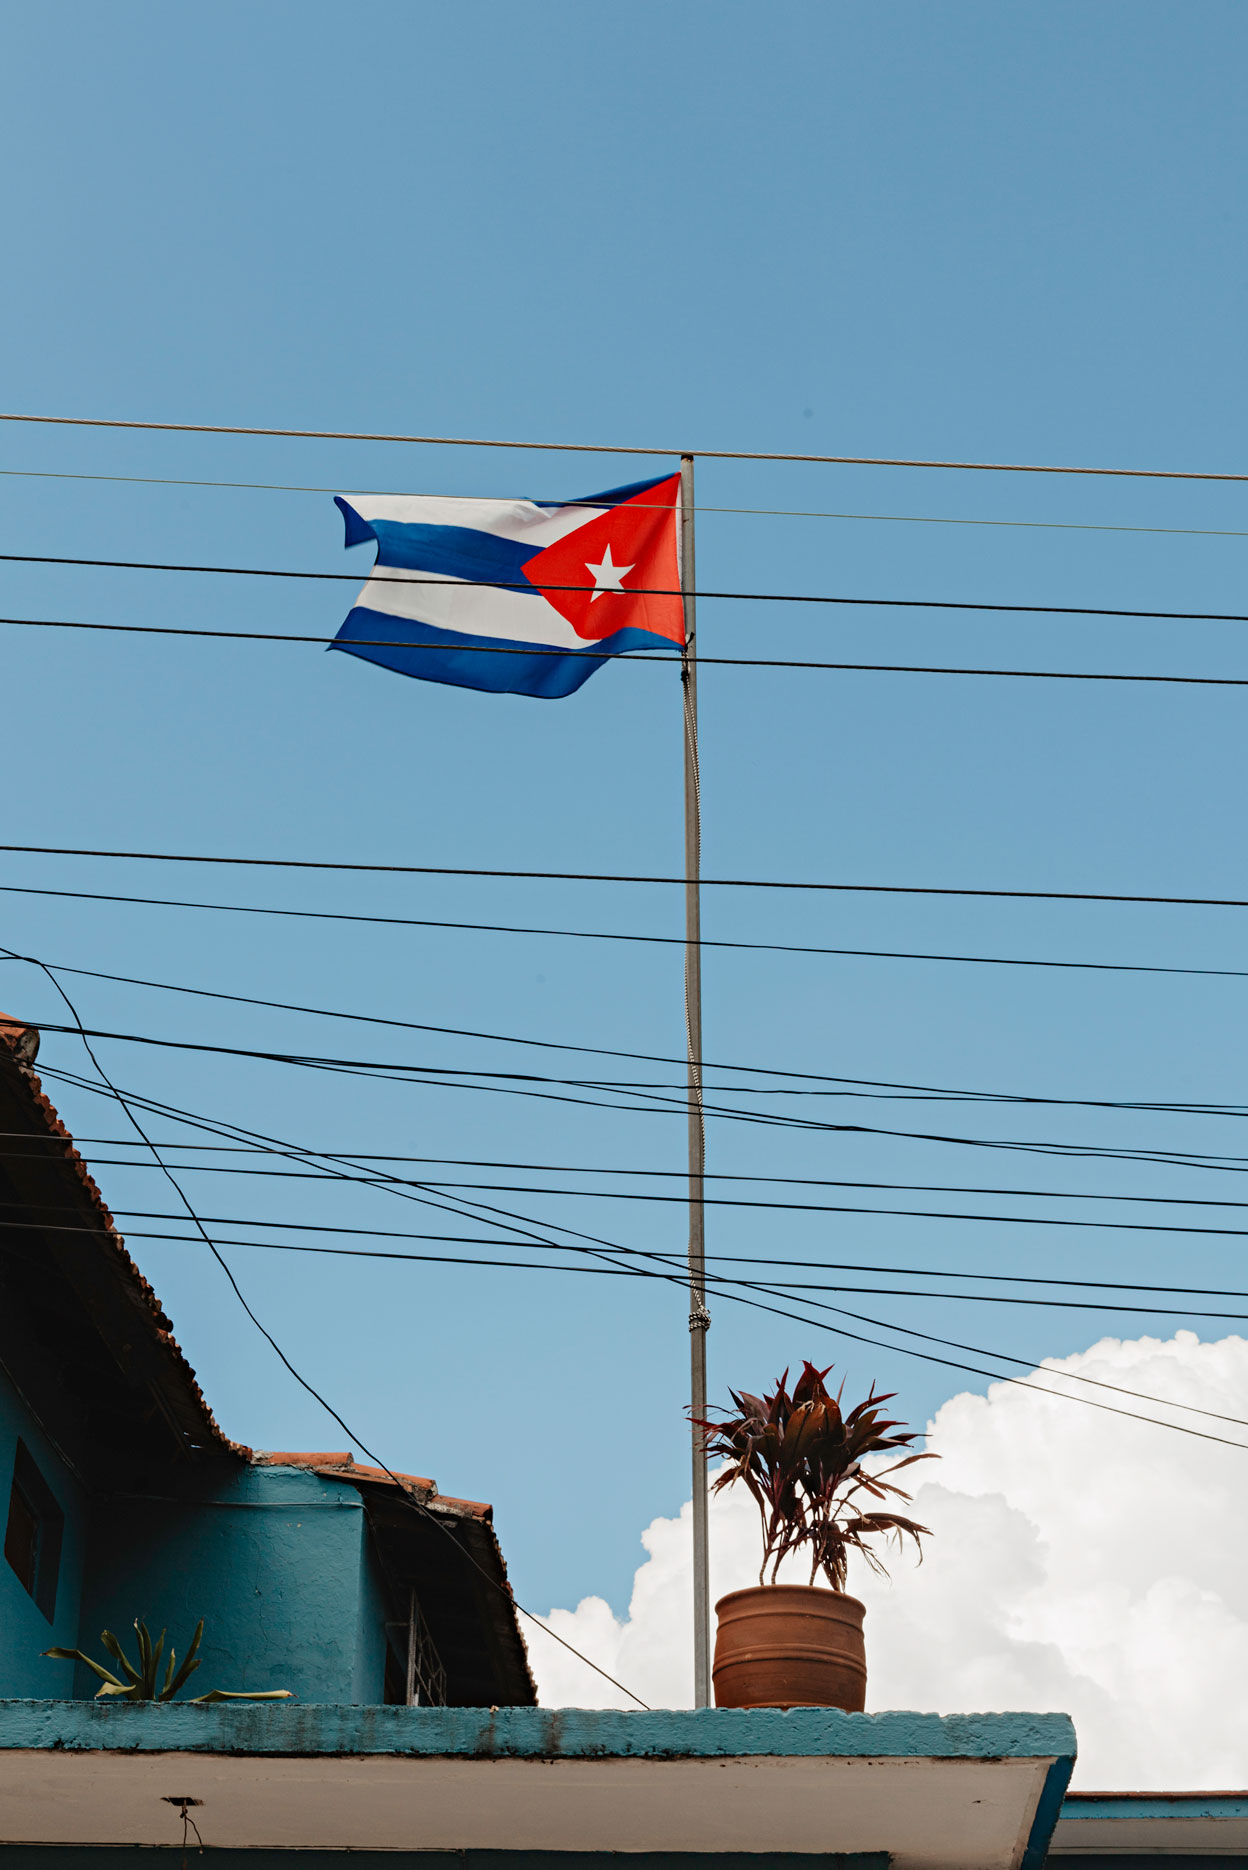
x,y
24,1630
277,1561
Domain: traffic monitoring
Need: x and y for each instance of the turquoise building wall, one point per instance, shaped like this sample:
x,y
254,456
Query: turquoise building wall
x,y
278,1561
24,1630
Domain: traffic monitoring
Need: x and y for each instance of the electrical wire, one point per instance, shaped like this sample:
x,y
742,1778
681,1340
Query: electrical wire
x,y
754,512
644,1273
706,454
663,656
403,1072
602,1249
726,1259
674,941
949,1363
845,1085
608,876
383,575
711,1201
661,1105
798,1181
404,1491
565,1168
640,1272
510,1221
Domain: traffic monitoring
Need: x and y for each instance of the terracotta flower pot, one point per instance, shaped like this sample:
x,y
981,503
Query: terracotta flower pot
x,y
790,1646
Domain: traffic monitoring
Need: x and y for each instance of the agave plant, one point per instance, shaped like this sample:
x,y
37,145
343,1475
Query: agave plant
x,y
801,1456
143,1683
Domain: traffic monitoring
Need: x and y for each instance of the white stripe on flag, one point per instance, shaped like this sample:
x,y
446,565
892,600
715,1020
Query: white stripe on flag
x,y
521,520
472,610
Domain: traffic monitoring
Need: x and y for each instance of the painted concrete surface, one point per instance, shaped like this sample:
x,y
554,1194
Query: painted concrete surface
x,y
278,1561
24,1630
275,1561
1153,1824
967,1792
928,1814
541,1733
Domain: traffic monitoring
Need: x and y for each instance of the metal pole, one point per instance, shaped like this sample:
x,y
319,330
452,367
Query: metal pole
x,y
699,1317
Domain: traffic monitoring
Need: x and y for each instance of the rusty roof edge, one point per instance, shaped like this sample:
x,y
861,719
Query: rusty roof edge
x,y
335,1466
17,1042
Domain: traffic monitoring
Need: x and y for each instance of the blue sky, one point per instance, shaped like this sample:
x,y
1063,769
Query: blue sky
x,y
973,231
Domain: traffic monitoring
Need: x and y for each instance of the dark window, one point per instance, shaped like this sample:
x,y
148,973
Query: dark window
x,y
395,1689
32,1536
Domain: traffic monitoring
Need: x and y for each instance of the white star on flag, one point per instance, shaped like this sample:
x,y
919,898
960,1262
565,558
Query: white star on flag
x,y
607,576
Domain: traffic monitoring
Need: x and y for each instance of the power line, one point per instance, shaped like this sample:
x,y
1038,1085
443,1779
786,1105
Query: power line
x,y
382,575
802,1181
611,448
429,1072
798,1181
609,1271
641,1272
509,1219
738,1298
404,1491
668,1105
663,656
712,1201
512,1222
757,512
601,1249
997,1376
846,1086
605,876
676,941
726,1259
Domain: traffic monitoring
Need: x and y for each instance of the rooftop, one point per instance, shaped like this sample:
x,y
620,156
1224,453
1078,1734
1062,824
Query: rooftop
x,y
922,1791
90,1349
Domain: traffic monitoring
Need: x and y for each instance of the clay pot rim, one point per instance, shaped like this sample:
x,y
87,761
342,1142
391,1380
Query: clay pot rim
x,y
797,1590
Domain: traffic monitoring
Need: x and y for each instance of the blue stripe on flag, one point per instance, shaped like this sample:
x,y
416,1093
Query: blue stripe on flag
x,y
614,496
450,656
443,551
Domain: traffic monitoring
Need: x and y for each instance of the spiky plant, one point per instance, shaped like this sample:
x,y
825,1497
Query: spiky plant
x,y
144,1683
801,1458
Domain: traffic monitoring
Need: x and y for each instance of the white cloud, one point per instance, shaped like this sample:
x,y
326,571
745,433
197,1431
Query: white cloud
x,y
1080,1562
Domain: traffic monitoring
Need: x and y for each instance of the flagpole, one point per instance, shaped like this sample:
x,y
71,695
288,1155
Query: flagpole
x,y
699,1317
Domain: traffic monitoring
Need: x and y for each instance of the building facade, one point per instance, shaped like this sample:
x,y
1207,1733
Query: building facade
x,y
412,1740
122,1498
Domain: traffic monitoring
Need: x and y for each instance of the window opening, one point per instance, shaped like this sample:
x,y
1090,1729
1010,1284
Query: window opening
x,y
421,1679
33,1531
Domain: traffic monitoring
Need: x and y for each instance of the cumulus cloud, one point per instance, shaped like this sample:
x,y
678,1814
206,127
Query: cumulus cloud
x,y
1081,1561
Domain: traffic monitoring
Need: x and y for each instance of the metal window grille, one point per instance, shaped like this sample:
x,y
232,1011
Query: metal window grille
x,y
426,1674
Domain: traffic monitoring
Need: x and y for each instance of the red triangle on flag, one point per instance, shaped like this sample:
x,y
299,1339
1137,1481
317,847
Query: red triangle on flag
x,y
620,571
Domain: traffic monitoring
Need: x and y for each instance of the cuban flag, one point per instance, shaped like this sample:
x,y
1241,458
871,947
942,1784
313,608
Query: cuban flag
x,y
457,581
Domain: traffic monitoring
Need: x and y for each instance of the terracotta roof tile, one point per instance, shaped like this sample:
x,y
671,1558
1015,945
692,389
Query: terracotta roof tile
x,y
264,1457
346,1467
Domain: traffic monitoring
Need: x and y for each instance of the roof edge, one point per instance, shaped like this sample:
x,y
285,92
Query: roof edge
x,y
335,1466
534,1733
21,1043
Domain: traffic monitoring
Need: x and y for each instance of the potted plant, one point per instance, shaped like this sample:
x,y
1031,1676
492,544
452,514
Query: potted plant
x,y
801,1458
